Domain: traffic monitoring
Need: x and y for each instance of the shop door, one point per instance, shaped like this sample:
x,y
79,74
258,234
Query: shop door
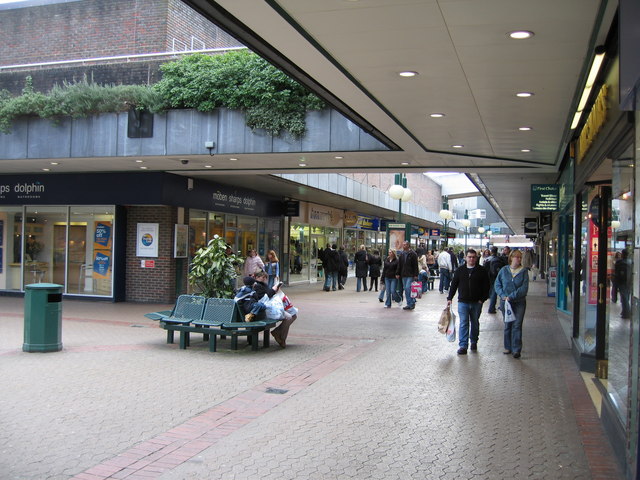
x,y
595,272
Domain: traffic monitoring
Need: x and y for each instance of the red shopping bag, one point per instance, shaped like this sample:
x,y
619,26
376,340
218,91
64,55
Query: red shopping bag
x,y
416,289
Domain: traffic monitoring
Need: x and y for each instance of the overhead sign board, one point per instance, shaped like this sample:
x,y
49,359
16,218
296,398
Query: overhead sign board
x,y
545,197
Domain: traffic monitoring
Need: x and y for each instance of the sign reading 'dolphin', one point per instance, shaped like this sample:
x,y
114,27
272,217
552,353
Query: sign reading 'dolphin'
x,y
545,197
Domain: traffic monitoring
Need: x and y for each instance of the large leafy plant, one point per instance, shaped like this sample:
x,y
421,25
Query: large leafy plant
x,y
213,272
238,80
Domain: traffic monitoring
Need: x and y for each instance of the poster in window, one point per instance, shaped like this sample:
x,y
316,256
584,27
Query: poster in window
x,y
181,241
101,264
147,240
396,238
102,236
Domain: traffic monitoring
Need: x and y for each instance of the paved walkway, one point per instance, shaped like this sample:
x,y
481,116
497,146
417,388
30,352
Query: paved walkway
x,y
360,392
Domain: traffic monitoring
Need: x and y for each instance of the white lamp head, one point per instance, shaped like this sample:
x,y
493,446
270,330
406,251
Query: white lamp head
x,y
446,214
407,195
480,229
465,222
396,191
615,224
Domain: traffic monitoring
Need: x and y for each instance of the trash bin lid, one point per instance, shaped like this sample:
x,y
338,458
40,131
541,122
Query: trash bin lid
x,y
42,286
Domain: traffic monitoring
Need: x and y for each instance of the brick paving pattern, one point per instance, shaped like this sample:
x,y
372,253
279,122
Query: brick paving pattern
x,y
360,392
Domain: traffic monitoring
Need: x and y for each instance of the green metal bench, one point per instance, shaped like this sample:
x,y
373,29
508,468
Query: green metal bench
x,y
212,317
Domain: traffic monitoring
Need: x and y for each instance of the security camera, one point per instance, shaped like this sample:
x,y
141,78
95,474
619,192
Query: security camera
x,y
184,161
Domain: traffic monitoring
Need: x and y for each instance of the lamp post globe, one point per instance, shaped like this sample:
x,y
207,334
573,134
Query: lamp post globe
x,y
396,192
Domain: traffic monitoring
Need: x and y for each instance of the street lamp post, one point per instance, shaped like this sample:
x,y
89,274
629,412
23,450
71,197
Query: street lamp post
x,y
465,223
400,192
446,215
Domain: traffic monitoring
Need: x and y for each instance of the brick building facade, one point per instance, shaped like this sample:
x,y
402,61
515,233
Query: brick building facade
x,y
54,31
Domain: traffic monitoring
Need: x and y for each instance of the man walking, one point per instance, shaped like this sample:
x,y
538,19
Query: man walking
x,y
472,283
493,264
331,265
408,272
444,267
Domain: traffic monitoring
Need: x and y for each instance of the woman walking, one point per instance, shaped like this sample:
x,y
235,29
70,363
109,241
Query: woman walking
x,y
512,285
375,264
361,260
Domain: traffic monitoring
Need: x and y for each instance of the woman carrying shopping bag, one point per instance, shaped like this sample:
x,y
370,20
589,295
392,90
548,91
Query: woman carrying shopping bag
x,y
512,285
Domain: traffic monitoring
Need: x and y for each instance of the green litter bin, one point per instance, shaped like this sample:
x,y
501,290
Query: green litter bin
x,y
42,318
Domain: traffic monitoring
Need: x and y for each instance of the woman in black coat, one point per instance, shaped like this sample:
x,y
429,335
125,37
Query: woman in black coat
x,y
361,260
375,264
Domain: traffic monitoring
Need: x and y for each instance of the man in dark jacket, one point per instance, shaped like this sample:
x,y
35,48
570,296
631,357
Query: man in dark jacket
x,y
492,265
331,264
343,267
408,272
472,283
622,271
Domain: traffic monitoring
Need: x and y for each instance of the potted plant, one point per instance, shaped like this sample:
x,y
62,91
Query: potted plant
x,y
214,269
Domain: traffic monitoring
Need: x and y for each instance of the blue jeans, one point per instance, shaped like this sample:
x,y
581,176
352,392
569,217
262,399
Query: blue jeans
x,y
513,330
361,281
406,285
445,279
469,313
493,297
331,280
424,278
390,288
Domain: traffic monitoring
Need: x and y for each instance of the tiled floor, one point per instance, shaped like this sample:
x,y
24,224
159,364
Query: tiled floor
x,y
360,392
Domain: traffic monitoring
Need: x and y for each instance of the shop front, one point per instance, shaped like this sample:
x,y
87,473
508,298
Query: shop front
x,y
362,230
313,229
121,236
598,257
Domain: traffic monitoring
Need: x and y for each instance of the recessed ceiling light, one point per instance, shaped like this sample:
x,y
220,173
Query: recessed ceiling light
x,y
139,161
436,115
143,168
524,94
208,166
338,157
233,159
521,34
54,163
525,150
457,146
408,73
524,129
302,164
404,163
46,169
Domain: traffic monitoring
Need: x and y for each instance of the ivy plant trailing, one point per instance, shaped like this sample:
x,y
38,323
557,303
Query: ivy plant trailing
x,y
237,80
212,272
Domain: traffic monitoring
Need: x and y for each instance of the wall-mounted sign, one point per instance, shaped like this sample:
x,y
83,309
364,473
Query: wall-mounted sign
x,y
545,197
147,240
434,232
147,263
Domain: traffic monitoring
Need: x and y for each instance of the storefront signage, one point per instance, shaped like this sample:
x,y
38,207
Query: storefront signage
x,y
147,240
545,197
360,222
102,237
323,216
434,232
101,264
22,190
595,121
234,201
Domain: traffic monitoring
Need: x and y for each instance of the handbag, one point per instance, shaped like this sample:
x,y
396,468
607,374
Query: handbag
x,y
416,289
509,316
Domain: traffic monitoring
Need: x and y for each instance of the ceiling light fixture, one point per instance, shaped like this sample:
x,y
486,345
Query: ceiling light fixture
x,y
54,163
408,73
338,157
139,161
404,163
525,150
524,129
524,94
233,159
521,34
143,168
302,164
208,166
591,78
457,146
46,169
437,115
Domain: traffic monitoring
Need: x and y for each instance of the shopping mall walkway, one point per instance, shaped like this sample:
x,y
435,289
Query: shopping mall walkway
x,y
360,392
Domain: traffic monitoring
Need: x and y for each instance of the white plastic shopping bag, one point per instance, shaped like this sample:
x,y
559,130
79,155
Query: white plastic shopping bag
x,y
509,316
451,329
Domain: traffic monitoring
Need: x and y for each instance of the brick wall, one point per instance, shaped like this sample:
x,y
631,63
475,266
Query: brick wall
x,y
151,285
183,23
426,192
